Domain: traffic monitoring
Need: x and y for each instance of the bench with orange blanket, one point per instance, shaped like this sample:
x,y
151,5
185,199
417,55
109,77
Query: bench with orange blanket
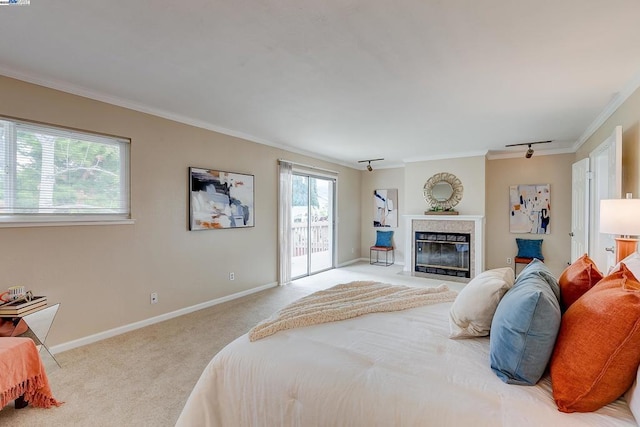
x,y
22,374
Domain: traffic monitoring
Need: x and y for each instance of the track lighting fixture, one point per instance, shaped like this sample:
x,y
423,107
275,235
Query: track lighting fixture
x,y
529,152
369,168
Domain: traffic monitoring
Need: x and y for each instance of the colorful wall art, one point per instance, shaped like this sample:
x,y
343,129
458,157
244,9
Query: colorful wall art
x,y
220,199
385,205
530,208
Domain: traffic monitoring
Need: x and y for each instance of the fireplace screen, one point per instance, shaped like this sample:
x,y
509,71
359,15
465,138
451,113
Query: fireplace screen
x,y
446,254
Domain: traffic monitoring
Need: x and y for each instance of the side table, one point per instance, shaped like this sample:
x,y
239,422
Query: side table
x,y
39,324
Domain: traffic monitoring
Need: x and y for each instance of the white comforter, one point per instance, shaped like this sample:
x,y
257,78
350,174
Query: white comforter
x,y
383,369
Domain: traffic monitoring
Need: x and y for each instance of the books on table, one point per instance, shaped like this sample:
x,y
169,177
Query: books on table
x,y
21,308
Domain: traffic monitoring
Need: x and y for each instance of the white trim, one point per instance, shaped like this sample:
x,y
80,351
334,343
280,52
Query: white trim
x,y
479,224
353,261
153,320
446,156
385,166
613,105
12,223
608,111
516,154
305,166
91,94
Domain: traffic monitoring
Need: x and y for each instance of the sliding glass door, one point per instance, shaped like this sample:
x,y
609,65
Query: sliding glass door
x,y
312,224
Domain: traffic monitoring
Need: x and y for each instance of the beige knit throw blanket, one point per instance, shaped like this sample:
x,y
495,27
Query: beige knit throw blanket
x,y
349,300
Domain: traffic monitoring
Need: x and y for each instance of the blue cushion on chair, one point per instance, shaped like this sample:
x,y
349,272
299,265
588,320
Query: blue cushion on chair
x,y
383,238
530,248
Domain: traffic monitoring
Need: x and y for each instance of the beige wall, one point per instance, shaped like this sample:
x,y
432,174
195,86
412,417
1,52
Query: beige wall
x,y
486,192
410,182
554,170
470,170
627,116
380,179
103,275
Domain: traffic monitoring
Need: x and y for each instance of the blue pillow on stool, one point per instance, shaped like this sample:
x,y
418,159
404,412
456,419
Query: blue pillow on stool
x,y
383,238
530,248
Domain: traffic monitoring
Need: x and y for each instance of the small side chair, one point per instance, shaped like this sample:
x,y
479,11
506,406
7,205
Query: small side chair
x,y
384,244
528,250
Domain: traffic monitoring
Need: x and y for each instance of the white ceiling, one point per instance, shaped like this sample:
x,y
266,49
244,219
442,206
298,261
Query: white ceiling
x,y
345,80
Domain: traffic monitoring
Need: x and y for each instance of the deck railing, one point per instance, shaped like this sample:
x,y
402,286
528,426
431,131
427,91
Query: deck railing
x,y
319,237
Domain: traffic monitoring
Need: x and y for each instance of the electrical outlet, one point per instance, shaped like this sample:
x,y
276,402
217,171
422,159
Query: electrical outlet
x,y
232,276
509,260
154,297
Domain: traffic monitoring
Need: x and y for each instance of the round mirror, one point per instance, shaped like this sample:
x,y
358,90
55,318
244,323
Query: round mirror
x,y
443,191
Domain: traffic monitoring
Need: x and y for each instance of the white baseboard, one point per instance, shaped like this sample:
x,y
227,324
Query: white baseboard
x,y
353,261
161,318
142,323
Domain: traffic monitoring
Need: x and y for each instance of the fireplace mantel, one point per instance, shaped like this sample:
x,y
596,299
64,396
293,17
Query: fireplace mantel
x,y
446,223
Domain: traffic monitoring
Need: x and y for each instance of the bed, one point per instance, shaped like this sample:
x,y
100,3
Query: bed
x,y
381,369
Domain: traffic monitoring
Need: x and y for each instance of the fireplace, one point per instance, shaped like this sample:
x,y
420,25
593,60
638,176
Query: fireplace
x,y
448,247
445,254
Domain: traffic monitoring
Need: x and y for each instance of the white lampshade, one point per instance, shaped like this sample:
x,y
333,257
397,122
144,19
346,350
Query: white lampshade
x,y
620,216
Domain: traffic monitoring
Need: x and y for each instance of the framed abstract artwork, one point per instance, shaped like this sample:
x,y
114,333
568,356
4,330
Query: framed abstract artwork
x,y
220,199
385,208
530,208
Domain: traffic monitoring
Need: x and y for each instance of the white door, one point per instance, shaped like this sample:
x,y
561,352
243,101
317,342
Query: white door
x,y
579,209
606,166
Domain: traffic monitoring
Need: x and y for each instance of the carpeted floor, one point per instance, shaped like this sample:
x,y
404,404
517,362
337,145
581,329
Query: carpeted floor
x,y
144,377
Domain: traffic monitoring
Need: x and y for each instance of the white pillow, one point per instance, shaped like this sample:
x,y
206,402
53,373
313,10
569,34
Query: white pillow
x,y
632,262
632,397
472,311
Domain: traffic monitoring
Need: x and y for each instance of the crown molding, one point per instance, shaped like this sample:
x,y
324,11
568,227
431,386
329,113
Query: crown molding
x,y
446,156
517,154
142,108
611,107
608,110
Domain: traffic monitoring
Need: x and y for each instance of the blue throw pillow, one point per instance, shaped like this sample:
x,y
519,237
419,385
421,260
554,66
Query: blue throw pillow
x,y
383,238
525,326
529,248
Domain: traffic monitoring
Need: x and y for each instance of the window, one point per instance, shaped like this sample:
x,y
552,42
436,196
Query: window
x,y
53,174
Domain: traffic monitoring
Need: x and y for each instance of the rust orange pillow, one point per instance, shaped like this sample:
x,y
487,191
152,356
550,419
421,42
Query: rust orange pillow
x,y
596,356
577,279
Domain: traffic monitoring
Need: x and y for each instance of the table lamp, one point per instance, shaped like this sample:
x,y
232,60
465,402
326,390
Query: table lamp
x,y
621,217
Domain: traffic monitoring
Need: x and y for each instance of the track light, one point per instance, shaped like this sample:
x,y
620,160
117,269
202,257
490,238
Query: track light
x,y
529,152
369,167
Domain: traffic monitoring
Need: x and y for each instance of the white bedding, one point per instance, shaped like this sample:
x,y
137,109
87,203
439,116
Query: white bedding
x,y
382,369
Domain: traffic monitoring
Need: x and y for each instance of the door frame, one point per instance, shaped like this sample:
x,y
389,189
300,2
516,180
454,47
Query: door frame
x,y
580,184
333,180
606,168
